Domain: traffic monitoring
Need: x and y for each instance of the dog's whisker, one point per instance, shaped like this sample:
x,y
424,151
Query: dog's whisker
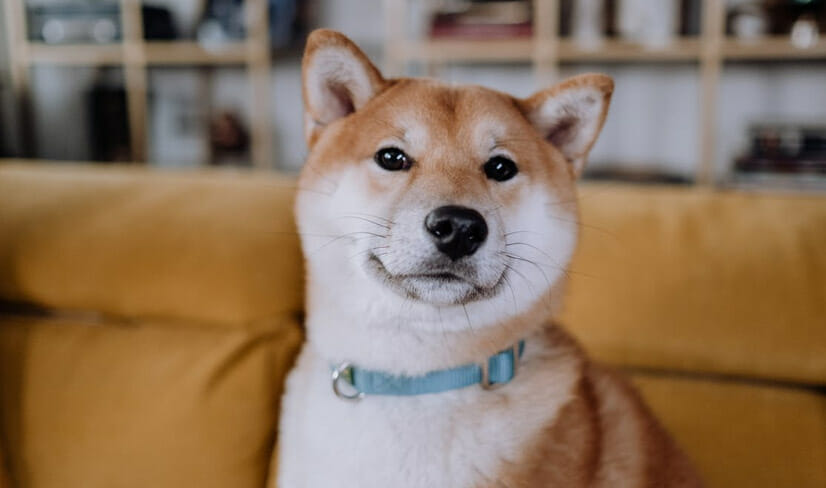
x,y
533,263
513,294
467,316
519,273
371,250
364,219
345,236
506,234
555,266
507,244
373,216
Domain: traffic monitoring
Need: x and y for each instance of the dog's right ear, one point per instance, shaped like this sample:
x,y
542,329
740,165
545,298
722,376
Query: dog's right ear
x,y
338,80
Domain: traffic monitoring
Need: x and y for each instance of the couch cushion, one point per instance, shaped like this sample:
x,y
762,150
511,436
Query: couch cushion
x,y
5,478
215,246
700,280
744,435
103,403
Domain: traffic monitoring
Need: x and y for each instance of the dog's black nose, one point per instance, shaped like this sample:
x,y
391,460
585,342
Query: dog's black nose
x,y
456,231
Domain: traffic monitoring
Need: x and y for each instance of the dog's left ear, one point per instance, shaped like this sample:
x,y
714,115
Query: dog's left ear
x,y
338,80
570,115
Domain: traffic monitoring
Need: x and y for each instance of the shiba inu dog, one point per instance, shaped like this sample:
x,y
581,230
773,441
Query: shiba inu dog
x,y
437,222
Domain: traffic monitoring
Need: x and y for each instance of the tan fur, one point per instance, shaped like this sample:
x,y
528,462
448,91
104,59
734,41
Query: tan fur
x,y
603,436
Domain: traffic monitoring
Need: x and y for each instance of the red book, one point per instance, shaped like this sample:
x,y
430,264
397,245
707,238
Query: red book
x,y
480,31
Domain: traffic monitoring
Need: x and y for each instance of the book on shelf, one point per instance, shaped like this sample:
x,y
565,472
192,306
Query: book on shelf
x,y
484,20
783,155
785,148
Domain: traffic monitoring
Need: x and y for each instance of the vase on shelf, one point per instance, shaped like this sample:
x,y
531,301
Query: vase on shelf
x,y
587,23
650,23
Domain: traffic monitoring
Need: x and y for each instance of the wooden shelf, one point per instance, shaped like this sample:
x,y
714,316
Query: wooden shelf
x,y
134,56
74,54
151,52
774,48
618,51
193,53
546,51
469,50
523,49
610,51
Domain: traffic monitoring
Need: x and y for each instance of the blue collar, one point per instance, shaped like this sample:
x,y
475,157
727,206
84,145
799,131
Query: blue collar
x,y
497,371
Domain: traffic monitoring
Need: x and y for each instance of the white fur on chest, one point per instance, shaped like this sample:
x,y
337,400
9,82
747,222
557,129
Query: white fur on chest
x,y
460,438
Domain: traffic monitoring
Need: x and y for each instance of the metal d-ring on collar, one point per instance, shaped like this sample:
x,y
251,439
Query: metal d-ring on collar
x,y
344,371
495,372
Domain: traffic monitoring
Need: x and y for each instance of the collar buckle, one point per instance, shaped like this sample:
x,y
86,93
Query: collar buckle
x,y
485,365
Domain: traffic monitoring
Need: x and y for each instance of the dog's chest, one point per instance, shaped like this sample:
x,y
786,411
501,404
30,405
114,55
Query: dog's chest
x,y
459,438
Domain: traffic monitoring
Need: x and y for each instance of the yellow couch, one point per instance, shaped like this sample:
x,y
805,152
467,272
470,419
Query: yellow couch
x,y
147,320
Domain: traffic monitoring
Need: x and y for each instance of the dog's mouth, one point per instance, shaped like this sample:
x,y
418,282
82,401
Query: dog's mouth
x,y
441,286
444,277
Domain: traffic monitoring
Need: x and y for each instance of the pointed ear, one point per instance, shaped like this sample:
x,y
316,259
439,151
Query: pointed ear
x,y
570,115
338,79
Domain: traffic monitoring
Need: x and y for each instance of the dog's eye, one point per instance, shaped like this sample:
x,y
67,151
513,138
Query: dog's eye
x,y
392,159
500,168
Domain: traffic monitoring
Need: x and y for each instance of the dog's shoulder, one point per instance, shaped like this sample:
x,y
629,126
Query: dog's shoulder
x,y
634,446
565,450
603,436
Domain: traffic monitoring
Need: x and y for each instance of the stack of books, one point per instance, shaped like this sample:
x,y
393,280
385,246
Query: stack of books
x,y
484,20
784,154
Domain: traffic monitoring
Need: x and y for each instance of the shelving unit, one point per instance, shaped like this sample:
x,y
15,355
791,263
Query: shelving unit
x,y
135,56
774,48
546,50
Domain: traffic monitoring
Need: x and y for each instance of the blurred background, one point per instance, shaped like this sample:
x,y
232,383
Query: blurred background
x,y
726,92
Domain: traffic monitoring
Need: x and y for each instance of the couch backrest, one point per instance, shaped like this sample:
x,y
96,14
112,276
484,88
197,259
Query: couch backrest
x,y
166,315
727,283
218,247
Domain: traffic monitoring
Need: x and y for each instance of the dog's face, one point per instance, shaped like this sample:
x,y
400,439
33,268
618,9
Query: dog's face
x,y
440,195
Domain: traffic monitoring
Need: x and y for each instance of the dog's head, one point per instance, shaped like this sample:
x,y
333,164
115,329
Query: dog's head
x,y
439,196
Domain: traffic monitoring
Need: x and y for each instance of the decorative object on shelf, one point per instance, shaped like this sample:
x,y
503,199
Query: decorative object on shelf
x,y
5,129
632,174
108,126
92,22
178,122
133,56
223,22
691,18
287,22
784,14
749,21
229,139
587,21
651,23
785,148
805,32
186,15
75,22
483,20
158,24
